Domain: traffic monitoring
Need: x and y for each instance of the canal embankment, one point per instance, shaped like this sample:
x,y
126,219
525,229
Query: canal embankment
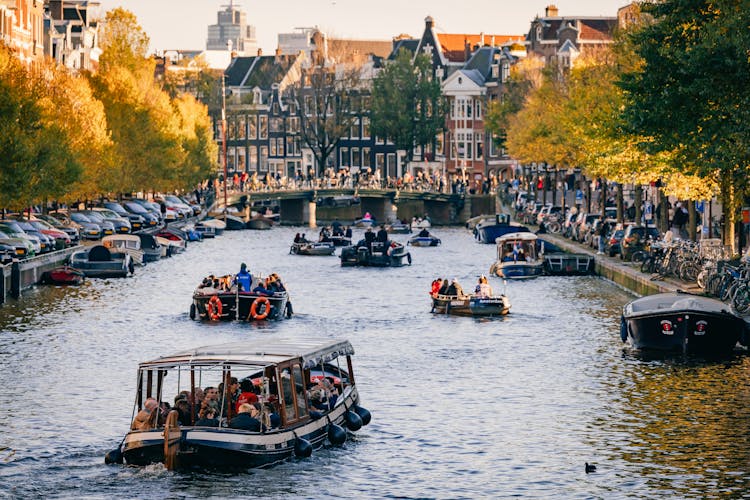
x,y
21,275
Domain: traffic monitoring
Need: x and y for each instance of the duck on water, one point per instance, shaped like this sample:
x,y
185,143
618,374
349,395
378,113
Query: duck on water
x,y
263,402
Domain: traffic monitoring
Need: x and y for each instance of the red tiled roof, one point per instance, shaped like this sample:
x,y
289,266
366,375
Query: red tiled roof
x,y
453,45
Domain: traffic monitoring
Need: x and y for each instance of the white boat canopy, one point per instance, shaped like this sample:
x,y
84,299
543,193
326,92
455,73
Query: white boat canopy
x,y
260,354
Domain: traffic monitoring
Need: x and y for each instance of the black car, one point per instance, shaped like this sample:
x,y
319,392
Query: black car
x,y
634,239
136,221
612,242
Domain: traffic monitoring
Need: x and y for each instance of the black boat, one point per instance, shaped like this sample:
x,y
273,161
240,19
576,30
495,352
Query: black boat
x,y
305,391
391,254
217,303
684,323
151,248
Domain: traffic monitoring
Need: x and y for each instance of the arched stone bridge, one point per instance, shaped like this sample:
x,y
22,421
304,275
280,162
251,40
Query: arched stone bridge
x,y
312,205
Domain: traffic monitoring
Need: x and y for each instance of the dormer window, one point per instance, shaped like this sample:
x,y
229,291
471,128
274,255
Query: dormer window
x,y
539,33
506,71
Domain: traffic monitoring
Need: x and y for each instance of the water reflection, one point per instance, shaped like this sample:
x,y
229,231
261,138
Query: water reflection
x,y
462,408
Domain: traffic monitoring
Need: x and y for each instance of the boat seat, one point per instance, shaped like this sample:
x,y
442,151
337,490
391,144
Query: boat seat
x,y
100,253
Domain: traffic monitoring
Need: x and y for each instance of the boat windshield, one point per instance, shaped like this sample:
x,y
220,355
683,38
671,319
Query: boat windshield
x,y
518,250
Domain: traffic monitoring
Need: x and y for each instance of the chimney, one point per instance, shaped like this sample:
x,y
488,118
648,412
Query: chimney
x,y
551,11
429,22
260,52
277,55
467,49
481,39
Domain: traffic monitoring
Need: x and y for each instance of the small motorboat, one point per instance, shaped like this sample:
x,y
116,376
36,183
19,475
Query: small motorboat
x,y
398,228
313,248
63,275
101,262
423,241
218,225
339,240
291,421
233,222
128,243
206,230
366,221
517,257
219,299
471,305
391,254
420,223
177,240
682,323
488,230
151,248
259,222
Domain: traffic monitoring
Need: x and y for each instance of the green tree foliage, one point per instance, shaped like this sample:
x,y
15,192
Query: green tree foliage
x,y
690,93
407,104
124,43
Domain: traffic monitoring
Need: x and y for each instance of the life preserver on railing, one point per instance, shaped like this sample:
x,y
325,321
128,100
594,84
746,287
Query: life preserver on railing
x,y
213,308
256,304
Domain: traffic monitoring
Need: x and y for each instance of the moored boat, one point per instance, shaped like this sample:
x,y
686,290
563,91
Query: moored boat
x,y
682,323
218,225
128,243
488,230
517,257
151,248
207,231
312,248
101,262
63,275
305,392
259,222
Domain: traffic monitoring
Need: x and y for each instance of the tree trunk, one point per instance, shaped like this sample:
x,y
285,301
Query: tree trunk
x,y
663,212
638,203
728,210
620,208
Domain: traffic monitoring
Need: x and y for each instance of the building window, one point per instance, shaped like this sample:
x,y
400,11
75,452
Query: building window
x,y
439,144
280,146
391,165
290,146
478,113
253,158
241,127
263,127
365,157
469,107
263,159
275,124
356,161
232,129
365,128
354,132
344,157
252,127
230,159
273,147
380,162
480,145
506,71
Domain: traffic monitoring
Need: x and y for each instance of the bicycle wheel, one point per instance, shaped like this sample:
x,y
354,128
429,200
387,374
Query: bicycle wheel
x,y
638,256
741,299
647,266
728,290
553,227
689,271
712,284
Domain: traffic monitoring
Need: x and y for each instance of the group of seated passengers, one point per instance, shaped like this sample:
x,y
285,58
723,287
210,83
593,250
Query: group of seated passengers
x,y
515,256
442,287
300,238
223,283
322,396
424,233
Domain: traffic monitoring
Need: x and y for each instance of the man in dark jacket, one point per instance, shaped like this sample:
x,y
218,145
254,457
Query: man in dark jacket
x,y
246,418
382,237
369,238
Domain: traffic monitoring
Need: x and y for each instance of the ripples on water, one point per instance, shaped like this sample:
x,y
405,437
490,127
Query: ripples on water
x,y
462,408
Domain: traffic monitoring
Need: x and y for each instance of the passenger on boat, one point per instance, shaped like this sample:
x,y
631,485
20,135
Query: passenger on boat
x,y
182,405
247,394
444,287
246,418
455,288
271,419
435,289
424,233
243,278
369,238
382,236
262,289
275,284
483,289
211,397
143,419
207,417
508,257
297,238
303,239
348,232
208,281
325,235
225,282
367,216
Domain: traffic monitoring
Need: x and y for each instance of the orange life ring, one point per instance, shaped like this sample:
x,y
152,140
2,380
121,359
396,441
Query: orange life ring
x,y
213,308
254,308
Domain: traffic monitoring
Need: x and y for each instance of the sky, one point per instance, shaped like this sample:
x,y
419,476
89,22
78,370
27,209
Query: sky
x,y
183,24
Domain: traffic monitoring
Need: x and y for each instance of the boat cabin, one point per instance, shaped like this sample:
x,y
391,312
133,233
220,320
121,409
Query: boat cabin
x,y
517,247
281,373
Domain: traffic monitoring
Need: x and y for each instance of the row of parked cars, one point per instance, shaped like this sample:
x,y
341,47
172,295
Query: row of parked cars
x,y
622,239
27,236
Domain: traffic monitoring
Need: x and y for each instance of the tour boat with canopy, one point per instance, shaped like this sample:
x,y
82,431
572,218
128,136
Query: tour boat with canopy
x,y
517,257
305,391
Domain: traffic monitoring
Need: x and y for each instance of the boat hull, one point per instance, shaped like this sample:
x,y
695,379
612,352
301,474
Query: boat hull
x,y
312,248
489,233
424,241
471,306
362,256
518,270
237,306
260,223
700,328
224,448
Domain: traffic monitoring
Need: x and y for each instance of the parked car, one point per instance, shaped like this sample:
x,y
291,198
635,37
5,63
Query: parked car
x,y
136,221
59,224
183,211
22,248
149,219
62,239
105,217
51,239
634,239
612,242
194,206
89,229
152,208
12,229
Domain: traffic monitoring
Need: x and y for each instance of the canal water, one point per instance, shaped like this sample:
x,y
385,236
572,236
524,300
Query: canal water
x,y
462,408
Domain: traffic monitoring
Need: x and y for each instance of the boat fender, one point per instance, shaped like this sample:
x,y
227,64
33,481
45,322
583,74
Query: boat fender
x,y
302,448
192,311
113,457
353,421
364,414
623,329
408,257
213,308
289,310
256,304
336,434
